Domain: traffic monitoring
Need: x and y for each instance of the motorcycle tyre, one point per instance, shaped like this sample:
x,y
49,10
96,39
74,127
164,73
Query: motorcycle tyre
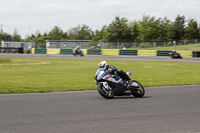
x,y
102,93
82,54
136,93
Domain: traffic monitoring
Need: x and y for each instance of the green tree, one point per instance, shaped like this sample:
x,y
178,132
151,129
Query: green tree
x,y
85,33
167,28
134,26
16,36
192,30
82,32
56,34
40,41
73,33
150,28
100,34
119,30
179,27
6,37
28,38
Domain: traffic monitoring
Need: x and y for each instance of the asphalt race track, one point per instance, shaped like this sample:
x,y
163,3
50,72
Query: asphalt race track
x,y
172,109
104,57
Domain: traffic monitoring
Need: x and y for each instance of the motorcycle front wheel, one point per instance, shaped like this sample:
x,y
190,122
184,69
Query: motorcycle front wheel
x,y
138,91
106,93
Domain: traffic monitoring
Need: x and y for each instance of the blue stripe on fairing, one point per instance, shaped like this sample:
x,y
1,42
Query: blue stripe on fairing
x,y
105,75
118,78
99,72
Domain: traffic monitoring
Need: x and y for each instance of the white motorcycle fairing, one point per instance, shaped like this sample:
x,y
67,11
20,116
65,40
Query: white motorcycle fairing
x,y
101,74
112,78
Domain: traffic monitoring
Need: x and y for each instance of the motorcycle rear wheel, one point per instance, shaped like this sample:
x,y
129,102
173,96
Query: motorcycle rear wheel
x,y
108,94
139,91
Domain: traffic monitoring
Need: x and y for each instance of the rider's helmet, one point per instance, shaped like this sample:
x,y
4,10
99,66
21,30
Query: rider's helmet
x,y
173,51
77,47
102,64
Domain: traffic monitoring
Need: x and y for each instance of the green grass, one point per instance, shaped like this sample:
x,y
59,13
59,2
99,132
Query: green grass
x,y
190,47
23,75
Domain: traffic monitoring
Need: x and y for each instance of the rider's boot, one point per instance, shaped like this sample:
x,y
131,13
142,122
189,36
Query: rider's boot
x,y
128,83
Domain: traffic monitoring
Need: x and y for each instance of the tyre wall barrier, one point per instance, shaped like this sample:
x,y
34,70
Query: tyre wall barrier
x,y
33,50
128,52
94,51
110,52
11,50
147,52
84,51
104,52
185,53
66,51
163,53
41,51
53,51
195,53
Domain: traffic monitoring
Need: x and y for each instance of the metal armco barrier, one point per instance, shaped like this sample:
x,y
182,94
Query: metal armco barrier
x,y
41,51
66,51
94,51
128,52
11,50
163,53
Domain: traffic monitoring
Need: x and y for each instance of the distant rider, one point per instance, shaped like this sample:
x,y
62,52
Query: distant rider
x,y
173,51
77,49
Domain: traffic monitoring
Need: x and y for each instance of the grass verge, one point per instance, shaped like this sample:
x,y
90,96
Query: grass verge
x,y
27,75
190,47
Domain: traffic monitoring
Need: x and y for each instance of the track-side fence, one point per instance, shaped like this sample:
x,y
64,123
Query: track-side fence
x,y
184,53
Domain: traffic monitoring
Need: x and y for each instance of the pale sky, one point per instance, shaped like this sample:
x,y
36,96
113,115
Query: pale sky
x,y
29,16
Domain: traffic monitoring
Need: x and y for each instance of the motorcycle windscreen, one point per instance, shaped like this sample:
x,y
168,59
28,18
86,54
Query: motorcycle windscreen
x,y
101,74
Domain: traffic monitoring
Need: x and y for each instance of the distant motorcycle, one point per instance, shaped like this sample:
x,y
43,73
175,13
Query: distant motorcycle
x,y
109,85
80,52
175,55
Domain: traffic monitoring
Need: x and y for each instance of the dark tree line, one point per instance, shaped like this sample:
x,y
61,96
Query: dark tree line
x,y
147,29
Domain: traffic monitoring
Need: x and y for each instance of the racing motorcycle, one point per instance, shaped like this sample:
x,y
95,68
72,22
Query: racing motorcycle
x,y
80,52
110,85
175,55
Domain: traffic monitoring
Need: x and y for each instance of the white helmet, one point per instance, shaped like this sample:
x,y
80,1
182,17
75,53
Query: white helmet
x,y
102,64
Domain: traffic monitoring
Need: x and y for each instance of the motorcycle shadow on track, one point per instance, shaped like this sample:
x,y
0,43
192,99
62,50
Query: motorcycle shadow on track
x,y
131,97
126,97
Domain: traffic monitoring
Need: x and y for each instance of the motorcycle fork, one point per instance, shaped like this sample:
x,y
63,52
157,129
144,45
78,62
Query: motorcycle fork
x,y
106,86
